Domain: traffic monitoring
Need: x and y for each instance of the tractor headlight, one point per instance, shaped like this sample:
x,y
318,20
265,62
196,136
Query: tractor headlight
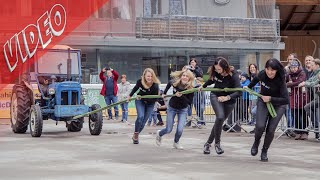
x,y
52,91
84,91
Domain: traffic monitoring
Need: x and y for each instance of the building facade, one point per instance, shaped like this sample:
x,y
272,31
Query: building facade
x,y
130,35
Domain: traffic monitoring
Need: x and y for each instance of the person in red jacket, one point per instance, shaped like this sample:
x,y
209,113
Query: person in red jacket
x,y
110,89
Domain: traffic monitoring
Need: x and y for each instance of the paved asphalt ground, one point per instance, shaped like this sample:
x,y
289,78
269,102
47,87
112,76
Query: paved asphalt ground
x,y
59,154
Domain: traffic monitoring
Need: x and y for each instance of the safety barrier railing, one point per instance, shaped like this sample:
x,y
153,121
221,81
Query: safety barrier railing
x,y
208,28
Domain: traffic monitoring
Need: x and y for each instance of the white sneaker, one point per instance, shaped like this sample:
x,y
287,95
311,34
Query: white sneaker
x,y
177,146
158,138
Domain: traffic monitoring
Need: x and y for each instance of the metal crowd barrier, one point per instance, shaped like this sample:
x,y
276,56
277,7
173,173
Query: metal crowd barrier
x,y
302,115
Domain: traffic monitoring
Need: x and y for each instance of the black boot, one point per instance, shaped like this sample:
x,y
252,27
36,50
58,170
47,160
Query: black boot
x,y
254,148
206,148
264,155
218,148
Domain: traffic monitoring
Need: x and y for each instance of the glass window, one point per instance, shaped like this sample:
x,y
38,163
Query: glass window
x,y
121,9
104,11
133,60
56,63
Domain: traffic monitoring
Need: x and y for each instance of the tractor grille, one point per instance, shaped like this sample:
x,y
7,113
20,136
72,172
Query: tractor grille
x,y
74,98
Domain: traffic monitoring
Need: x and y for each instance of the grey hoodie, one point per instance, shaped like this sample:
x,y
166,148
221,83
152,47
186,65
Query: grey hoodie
x,y
123,91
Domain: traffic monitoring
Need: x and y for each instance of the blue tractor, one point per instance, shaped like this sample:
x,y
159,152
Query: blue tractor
x,y
56,74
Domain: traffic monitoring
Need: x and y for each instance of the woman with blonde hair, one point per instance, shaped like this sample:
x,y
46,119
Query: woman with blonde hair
x,y
147,85
178,105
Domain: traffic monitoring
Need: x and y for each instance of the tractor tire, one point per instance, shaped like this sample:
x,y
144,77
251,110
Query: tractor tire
x,y
95,121
75,126
36,121
20,108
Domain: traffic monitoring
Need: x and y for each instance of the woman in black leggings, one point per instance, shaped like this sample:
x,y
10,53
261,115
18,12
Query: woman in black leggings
x,y
222,102
274,90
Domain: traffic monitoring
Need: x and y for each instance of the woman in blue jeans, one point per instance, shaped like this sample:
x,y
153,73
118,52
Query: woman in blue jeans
x,y
147,85
178,105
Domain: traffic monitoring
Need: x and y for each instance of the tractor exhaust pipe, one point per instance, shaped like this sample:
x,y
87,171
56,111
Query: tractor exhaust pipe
x,y
69,66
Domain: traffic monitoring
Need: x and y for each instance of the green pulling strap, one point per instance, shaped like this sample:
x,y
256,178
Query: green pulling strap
x,y
269,105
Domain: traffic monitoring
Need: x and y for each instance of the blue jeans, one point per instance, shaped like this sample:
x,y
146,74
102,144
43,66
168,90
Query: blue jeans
x,y
154,117
182,117
124,108
143,113
253,115
189,110
288,116
110,100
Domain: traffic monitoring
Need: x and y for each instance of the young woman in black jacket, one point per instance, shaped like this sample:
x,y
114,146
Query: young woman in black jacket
x,y
222,103
274,90
147,85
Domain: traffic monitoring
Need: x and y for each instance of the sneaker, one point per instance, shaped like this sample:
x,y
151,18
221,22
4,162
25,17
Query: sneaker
x,y
158,138
160,124
218,149
116,118
206,148
109,118
177,146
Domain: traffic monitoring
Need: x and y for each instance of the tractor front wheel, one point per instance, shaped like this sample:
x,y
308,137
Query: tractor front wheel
x,y
36,121
95,121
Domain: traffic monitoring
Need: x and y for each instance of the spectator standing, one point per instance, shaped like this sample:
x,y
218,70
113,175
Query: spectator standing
x,y
110,89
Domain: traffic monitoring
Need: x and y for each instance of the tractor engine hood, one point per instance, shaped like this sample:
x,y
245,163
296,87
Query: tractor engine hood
x,y
65,85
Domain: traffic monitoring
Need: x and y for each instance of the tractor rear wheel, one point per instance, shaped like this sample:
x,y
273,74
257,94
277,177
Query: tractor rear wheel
x,y
20,108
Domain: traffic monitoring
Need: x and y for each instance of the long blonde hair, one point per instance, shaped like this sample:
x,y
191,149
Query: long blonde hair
x,y
176,76
154,78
